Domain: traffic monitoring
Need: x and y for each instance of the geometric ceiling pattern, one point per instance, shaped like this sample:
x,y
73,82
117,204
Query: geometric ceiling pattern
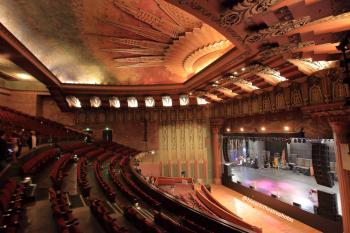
x,y
114,42
216,50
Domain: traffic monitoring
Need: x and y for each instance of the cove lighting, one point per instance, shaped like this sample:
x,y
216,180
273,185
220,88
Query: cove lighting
x,y
132,102
149,102
73,102
167,101
184,100
95,102
114,102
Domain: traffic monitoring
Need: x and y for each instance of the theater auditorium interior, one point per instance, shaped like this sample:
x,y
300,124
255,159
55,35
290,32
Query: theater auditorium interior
x,y
178,116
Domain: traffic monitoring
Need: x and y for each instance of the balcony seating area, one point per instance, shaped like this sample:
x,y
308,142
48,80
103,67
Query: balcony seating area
x,y
62,213
105,156
110,224
12,120
145,225
57,174
31,165
94,154
114,176
82,177
71,146
83,150
11,205
127,177
107,189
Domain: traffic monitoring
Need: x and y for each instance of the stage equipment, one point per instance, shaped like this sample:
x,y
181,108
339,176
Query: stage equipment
x,y
228,169
321,164
327,205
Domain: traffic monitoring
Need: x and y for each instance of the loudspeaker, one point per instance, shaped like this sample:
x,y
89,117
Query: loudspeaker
x,y
327,205
321,164
227,170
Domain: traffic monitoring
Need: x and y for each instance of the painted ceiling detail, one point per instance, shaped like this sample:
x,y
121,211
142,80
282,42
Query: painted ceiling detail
x,y
194,48
114,42
185,45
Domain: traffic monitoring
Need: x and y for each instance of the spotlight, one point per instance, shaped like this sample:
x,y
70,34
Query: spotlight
x,y
235,73
228,129
304,140
243,69
263,128
286,128
241,129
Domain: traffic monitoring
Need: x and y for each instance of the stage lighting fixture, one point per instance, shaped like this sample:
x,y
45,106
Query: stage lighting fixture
x,y
299,140
295,140
304,140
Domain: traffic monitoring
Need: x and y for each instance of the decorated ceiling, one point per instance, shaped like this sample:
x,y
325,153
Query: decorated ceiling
x,y
120,42
215,50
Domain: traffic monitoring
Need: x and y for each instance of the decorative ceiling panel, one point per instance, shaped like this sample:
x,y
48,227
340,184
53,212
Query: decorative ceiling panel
x,y
115,42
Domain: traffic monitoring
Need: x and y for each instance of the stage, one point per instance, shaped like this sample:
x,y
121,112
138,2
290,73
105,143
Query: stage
x,y
289,186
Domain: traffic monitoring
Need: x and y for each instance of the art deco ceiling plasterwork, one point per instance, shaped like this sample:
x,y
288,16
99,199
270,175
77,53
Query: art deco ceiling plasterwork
x,y
133,42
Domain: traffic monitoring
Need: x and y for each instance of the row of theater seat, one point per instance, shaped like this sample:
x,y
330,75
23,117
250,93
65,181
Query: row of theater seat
x,y
127,177
30,166
110,224
105,156
84,149
82,177
107,189
57,174
62,213
70,147
114,176
145,225
11,205
42,126
95,153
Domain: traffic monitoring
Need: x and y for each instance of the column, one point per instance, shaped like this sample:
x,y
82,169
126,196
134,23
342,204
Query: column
x,y
215,143
341,147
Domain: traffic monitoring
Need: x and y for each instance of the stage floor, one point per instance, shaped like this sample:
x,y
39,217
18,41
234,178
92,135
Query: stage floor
x,y
290,187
